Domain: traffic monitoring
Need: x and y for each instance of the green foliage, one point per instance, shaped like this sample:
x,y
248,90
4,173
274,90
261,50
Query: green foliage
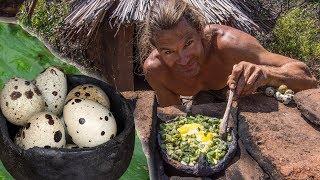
x,y
24,55
4,175
47,16
138,169
297,34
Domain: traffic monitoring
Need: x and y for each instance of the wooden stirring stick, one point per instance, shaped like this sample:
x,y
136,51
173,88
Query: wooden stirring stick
x,y
224,122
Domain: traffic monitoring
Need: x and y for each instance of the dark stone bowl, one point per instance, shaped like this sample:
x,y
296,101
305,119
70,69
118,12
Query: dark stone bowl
x,y
202,168
106,161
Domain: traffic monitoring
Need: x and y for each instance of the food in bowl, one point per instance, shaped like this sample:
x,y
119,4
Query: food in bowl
x,y
86,116
107,161
185,139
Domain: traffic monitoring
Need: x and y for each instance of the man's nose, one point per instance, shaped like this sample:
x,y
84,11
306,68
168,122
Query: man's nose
x,y
183,59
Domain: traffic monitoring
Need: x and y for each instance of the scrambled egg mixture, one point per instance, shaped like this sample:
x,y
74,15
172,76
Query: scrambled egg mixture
x,y
205,139
186,138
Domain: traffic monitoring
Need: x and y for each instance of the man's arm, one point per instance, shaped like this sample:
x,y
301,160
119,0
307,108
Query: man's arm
x,y
155,75
295,74
255,66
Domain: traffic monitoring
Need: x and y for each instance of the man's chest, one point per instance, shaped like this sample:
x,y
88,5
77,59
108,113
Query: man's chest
x,y
211,77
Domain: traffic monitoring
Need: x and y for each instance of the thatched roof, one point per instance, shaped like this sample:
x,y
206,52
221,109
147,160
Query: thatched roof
x,y
215,11
88,14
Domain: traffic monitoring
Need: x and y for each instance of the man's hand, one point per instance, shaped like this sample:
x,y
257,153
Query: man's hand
x,y
246,78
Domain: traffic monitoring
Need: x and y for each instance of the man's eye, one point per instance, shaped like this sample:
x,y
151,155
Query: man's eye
x,y
167,52
189,43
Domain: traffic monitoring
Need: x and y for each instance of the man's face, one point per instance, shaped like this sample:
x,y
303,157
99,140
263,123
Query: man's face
x,y
181,49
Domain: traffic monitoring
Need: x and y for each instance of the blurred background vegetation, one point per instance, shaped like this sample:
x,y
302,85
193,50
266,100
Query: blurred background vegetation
x,y
296,32
46,18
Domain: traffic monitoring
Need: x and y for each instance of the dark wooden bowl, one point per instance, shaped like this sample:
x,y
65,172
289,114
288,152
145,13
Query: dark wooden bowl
x,y
106,161
202,168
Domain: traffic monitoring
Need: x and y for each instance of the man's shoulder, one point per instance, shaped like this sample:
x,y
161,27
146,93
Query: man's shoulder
x,y
153,67
222,30
219,36
226,37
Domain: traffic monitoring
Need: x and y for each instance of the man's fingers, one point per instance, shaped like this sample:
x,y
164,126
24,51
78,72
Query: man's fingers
x,y
237,71
252,84
253,78
251,81
231,82
240,85
248,72
259,82
234,76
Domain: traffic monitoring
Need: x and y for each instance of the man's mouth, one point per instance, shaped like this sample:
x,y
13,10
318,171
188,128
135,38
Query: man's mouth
x,y
189,67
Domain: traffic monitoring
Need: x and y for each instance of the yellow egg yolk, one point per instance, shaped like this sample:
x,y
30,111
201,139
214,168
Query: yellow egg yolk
x,y
197,130
189,129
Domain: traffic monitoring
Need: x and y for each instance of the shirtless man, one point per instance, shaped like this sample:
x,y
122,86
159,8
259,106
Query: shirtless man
x,y
185,56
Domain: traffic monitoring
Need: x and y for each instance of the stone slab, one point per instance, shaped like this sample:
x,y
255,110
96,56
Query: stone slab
x,y
284,144
308,102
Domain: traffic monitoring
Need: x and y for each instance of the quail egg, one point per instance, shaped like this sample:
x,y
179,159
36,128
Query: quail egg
x,y
43,130
270,91
282,89
20,99
88,122
91,92
53,85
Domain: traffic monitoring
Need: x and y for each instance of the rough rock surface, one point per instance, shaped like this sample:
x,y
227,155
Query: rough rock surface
x,y
144,105
168,113
308,102
244,166
279,138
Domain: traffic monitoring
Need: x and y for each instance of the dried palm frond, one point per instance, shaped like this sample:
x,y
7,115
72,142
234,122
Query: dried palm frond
x,y
130,10
87,15
84,20
263,16
225,12
215,11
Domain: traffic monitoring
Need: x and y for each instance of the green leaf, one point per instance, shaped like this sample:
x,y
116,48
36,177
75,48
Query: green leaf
x,y
138,168
4,175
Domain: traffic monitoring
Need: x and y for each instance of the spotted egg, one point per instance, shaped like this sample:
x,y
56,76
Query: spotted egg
x,y
289,91
68,137
279,96
88,122
43,130
20,99
91,92
53,85
282,89
270,91
287,98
